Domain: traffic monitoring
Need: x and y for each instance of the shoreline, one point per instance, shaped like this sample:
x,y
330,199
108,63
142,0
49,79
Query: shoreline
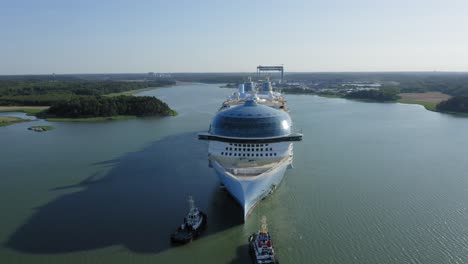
x,y
89,119
428,105
9,120
29,110
37,110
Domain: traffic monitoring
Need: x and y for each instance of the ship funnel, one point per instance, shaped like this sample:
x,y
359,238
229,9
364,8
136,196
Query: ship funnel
x,y
249,86
241,88
267,87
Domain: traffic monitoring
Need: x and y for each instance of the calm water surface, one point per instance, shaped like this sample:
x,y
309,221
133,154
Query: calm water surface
x,y
372,183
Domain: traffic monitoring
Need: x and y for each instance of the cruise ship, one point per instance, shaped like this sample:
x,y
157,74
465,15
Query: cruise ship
x,y
251,143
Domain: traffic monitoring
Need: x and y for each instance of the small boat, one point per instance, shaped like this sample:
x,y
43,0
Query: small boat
x,y
194,224
261,246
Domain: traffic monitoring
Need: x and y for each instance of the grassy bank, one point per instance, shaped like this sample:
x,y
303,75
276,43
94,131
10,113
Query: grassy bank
x,y
8,120
429,100
30,110
89,119
132,92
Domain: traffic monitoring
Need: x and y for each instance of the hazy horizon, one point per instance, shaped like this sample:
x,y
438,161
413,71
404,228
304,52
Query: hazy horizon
x,y
211,37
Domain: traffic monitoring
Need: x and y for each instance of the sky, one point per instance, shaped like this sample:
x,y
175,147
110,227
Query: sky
x,y
44,37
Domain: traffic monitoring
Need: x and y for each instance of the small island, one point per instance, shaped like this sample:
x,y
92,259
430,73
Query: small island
x,y
40,128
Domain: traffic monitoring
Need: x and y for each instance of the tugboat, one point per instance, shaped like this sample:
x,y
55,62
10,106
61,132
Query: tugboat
x,y
261,247
194,224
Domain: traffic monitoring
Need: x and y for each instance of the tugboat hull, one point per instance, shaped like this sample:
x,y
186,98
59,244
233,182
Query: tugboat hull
x,y
253,255
186,235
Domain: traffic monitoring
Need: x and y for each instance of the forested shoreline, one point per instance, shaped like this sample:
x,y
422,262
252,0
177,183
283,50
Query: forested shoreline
x,y
98,106
84,98
457,104
47,92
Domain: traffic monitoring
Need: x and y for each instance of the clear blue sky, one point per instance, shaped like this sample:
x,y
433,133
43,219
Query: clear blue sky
x,y
41,37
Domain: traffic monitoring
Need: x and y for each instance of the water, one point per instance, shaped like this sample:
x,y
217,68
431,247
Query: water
x,y
372,183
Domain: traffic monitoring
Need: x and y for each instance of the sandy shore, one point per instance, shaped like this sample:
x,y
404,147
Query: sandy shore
x,y
18,108
431,97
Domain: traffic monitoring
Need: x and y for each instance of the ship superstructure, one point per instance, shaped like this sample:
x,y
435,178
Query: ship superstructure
x,y
250,144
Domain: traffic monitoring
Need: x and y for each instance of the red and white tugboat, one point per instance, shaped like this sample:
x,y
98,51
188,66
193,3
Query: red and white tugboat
x,y
261,246
194,224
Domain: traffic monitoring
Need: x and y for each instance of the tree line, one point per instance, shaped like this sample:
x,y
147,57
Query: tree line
x,y
454,104
98,106
381,95
47,92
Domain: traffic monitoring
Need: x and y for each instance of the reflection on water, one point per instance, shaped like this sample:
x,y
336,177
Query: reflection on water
x,y
137,204
372,183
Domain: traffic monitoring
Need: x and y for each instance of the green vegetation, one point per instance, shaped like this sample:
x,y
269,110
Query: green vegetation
x,y
384,94
452,83
132,92
456,104
89,100
298,90
8,120
29,110
101,106
47,92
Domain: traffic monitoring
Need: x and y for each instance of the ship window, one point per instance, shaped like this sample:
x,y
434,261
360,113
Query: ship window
x,y
271,148
261,149
230,144
261,155
248,149
256,154
230,153
222,153
243,149
243,155
256,149
266,144
235,149
275,154
235,154
226,148
230,148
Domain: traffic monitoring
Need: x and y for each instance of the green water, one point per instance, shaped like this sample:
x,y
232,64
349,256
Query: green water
x,y
372,183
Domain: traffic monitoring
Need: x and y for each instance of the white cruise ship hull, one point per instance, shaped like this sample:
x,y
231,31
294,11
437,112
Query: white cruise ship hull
x,y
249,190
